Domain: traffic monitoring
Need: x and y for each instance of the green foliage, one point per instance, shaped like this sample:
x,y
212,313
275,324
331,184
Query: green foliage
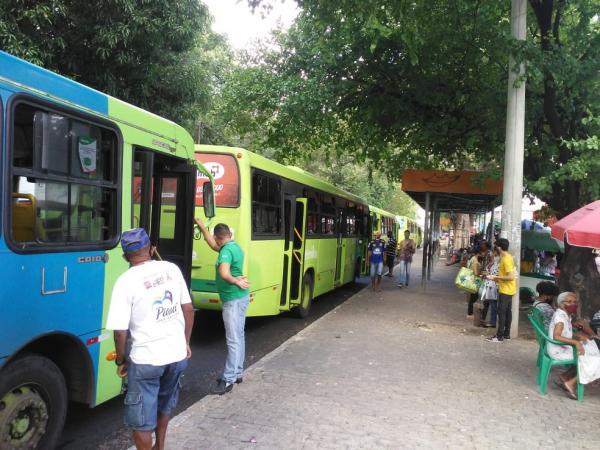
x,y
423,84
372,185
151,53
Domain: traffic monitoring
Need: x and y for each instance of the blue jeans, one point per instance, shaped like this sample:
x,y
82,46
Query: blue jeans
x,y
404,272
151,390
234,318
376,269
493,311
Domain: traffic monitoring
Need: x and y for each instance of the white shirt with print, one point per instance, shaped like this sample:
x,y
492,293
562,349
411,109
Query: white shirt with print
x,y
146,300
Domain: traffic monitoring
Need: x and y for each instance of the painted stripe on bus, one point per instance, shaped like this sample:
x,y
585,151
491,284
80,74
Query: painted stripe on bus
x,y
45,81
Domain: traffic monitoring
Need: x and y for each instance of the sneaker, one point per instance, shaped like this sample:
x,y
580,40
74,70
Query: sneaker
x,y
237,381
221,388
400,285
489,325
507,338
494,339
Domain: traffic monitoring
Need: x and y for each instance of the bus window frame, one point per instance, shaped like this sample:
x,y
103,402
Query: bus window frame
x,y
239,187
75,114
267,236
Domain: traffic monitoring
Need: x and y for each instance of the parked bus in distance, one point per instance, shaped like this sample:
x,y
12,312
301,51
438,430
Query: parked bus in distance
x,y
75,161
416,232
382,221
301,236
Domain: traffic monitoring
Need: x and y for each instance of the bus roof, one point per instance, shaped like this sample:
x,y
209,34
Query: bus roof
x,y
381,211
35,80
290,172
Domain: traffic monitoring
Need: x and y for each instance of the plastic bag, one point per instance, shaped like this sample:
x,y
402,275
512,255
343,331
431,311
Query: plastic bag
x,y
466,280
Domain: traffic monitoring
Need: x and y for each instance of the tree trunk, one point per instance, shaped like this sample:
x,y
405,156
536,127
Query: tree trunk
x,y
565,195
578,273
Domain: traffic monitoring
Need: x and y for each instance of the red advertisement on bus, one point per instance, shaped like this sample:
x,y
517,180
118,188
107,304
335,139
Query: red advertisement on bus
x,y
226,177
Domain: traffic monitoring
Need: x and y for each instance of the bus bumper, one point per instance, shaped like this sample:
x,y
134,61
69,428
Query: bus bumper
x,y
206,300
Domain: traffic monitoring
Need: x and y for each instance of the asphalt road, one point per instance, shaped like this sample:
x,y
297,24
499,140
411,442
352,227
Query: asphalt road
x,y
102,427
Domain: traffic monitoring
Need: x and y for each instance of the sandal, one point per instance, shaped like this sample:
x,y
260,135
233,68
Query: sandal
x,y
562,385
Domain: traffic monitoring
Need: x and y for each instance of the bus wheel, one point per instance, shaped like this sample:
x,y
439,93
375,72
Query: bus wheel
x,y
301,311
33,404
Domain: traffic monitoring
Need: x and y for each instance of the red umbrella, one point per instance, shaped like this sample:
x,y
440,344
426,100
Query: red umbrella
x,y
581,227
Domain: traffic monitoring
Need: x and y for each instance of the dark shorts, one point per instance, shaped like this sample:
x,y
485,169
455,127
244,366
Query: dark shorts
x,y
151,390
390,260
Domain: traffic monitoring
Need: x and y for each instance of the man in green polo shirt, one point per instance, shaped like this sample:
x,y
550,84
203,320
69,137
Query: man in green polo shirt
x,y
232,287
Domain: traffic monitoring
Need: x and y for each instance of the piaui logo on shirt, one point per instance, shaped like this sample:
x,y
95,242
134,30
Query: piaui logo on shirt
x,y
164,309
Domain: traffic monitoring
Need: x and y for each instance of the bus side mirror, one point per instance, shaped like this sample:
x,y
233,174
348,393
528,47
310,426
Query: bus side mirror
x,y
208,197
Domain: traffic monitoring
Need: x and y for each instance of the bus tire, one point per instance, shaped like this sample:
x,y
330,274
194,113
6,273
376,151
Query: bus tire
x,y
33,404
301,311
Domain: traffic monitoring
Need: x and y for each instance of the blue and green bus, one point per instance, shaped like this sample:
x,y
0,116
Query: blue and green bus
x,y
78,167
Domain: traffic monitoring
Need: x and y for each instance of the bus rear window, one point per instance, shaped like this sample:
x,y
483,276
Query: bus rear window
x,y
224,170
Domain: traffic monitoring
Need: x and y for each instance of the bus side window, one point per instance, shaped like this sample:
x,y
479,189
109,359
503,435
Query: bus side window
x,y
63,178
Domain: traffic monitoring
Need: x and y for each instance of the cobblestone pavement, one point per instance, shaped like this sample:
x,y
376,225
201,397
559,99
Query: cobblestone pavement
x,y
396,369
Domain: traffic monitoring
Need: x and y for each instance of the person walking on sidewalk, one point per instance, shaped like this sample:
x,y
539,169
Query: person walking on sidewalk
x,y
507,287
376,250
391,249
406,252
151,302
232,287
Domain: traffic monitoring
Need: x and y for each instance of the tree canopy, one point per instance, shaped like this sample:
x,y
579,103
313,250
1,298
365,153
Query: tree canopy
x,y
155,54
423,84
380,84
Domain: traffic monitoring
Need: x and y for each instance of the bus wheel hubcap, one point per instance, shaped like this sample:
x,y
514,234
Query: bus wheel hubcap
x,y
23,418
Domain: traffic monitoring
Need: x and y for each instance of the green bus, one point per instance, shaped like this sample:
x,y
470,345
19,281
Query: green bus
x,y
416,232
301,236
383,221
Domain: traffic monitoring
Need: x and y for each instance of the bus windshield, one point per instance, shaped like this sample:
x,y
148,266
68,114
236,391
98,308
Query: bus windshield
x,y
226,175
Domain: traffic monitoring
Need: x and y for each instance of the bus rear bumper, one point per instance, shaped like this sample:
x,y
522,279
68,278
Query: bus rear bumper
x,y
206,300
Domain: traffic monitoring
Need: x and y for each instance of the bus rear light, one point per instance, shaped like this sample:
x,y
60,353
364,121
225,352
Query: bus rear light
x,y
213,300
239,155
111,356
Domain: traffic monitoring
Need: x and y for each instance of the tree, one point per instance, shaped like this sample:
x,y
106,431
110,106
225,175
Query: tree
x,y
372,185
423,84
564,65
149,53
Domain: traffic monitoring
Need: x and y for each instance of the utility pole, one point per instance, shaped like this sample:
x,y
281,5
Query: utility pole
x,y
512,197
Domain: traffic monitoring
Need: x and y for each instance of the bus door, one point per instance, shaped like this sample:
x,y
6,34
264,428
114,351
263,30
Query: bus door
x,y
298,245
164,190
340,248
289,219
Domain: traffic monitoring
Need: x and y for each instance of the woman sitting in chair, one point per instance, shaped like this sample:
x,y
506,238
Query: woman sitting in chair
x,y
561,329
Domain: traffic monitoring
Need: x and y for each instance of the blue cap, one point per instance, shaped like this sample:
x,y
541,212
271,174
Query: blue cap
x,y
133,240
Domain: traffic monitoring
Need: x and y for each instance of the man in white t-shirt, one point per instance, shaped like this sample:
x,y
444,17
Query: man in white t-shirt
x,y
152,303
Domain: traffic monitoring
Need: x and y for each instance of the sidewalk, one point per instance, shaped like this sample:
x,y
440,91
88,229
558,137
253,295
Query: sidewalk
x,y
398,369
